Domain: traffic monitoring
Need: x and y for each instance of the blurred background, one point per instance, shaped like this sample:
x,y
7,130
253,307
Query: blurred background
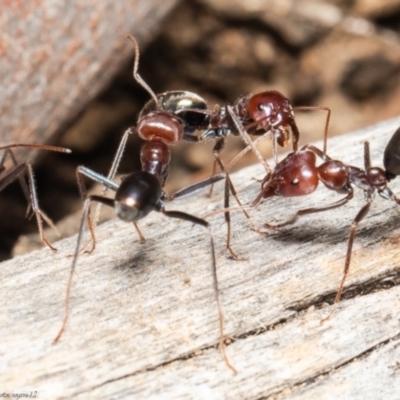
x,y
341,54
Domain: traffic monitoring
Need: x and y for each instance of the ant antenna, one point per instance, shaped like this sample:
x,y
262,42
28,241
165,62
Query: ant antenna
x,y
136,75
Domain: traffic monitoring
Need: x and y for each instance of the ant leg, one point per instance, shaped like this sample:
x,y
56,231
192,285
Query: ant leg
x,y
219,145
94,176
196,186
14,174
299,213
227,215
85,214
21,179
35,208
360,216
243,152
90,223
229,187
367,156
139,231
328,118
322,155
202,222
113,171
247,139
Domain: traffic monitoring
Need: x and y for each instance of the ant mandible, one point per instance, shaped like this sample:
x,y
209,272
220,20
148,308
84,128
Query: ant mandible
x,y
298,175
30,194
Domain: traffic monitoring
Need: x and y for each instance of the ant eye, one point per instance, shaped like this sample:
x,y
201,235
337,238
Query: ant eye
x,y
260,107
294,182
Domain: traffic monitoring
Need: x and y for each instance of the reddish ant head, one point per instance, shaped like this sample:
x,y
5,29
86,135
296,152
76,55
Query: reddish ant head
x,y
377,178
296,175
273,111
160,125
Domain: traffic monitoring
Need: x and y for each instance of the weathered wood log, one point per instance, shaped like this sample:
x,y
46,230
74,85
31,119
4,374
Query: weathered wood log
x,y
57,57
143,320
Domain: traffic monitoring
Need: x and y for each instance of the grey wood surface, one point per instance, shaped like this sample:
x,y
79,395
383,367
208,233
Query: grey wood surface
x,y
144,324
57,56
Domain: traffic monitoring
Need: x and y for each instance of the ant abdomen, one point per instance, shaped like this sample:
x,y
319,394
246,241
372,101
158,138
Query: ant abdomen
x,y
391,156
176,102
137,195
160,125
296,175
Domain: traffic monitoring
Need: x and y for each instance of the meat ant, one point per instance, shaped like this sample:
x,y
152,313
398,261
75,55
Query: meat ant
x,y
141,192
268,112
30,194
137,195
298,175
171,117
179,108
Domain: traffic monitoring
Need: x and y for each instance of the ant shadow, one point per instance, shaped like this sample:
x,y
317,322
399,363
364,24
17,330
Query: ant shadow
x,y
329,234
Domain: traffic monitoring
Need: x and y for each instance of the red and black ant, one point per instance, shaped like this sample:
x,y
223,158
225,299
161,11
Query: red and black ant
x,y
298,175
264,113
261,114
165,120
142,192
138,194
170,111
17,172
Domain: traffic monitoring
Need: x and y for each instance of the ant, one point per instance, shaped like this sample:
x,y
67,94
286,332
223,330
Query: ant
x,y
179,108
136,196
169,117
273,113
268,112
257,115
30,193
141,192
298,175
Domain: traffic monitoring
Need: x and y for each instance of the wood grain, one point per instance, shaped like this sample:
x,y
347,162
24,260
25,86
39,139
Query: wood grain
x,y
56,56
144,324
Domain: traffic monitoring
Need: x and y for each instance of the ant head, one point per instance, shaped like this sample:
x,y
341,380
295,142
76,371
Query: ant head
x,y
273,111
295,175
176,102
391,156
160,125
138,194
377,178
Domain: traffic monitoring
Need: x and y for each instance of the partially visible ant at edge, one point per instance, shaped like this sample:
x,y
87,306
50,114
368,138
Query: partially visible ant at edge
x,y
29,190
298,175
